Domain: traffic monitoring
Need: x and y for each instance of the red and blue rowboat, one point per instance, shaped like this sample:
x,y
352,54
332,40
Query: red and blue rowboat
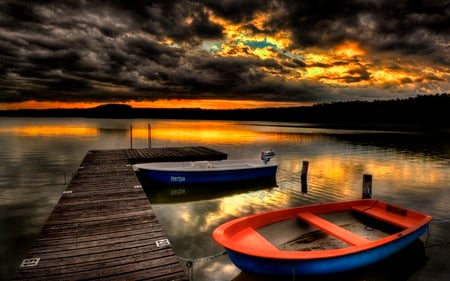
x,y
320,239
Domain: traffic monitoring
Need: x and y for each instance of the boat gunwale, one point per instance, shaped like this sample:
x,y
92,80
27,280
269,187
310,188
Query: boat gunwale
x,y
222,233
172,166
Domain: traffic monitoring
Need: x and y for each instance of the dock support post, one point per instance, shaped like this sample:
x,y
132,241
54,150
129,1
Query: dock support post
x,y
131,136
149,135
303,176
367,186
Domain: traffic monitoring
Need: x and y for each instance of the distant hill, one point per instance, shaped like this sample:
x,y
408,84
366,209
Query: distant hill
x,y
423,110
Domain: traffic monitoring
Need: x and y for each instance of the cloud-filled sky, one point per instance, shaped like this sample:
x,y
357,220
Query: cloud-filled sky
x,y
283,51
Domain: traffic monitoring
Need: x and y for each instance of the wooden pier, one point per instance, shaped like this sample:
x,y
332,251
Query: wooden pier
x,y
103,227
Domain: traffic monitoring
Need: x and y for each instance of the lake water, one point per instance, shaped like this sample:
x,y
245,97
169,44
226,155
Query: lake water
x,y
40,155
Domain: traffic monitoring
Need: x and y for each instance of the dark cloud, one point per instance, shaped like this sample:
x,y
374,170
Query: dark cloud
x,y
322,22
143,48
356,75
238,11
294,63
146,50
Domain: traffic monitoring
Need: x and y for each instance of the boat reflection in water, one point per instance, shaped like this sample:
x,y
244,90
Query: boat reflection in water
x,y
160,193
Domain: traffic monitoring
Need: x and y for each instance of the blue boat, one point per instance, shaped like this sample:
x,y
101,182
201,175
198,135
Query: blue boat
x,y
202,172
320,239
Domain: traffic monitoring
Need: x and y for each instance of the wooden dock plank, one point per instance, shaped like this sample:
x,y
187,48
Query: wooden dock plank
x,y
55,230
197,153
103,227
130,267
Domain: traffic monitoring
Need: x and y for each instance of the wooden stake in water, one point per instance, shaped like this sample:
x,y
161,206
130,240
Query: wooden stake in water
x,y
303,176
131,136
367,186
149,135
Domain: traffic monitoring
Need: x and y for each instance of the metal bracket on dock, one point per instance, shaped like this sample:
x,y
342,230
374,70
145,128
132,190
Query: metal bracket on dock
x,y
162,243
30,262
137,186
67,192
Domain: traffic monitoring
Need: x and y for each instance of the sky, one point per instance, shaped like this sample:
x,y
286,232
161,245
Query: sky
x,y
220,54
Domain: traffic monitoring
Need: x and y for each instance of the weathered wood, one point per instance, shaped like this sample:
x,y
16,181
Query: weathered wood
x,y
303,176
333,229
367,186
173,154
103,226
304,172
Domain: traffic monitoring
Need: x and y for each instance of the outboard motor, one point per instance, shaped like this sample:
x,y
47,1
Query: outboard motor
x,y
267,155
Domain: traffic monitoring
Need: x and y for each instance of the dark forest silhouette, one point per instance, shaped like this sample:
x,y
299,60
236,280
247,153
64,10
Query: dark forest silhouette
x,y
423,110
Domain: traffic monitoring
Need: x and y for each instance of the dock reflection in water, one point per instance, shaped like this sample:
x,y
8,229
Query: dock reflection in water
x,y
159,193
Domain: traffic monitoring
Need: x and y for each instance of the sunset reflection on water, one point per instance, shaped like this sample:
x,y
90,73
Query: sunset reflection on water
x,y
334,167
37,155
49,131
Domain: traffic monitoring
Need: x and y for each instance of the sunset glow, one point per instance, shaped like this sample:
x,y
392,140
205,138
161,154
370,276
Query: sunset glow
x,y
178,103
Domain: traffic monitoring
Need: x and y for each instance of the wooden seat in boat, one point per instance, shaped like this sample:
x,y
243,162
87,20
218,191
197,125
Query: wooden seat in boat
x,y
249,237
332,229
398,217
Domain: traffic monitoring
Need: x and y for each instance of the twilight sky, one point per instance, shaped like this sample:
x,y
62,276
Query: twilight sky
x,y
251,52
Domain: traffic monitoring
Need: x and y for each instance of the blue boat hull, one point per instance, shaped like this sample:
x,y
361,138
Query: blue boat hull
x,y
202,177
321,266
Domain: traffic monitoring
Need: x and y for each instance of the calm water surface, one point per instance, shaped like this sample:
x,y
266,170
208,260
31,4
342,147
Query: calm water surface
x,y
40,155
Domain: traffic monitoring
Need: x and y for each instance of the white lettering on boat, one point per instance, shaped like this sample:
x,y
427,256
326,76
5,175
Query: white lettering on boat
x,y
177,179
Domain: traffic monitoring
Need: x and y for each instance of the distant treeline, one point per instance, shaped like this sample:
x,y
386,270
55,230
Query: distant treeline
x,y
426,110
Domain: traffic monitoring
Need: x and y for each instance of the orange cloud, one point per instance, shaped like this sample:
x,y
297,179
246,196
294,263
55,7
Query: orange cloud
x,y
349,50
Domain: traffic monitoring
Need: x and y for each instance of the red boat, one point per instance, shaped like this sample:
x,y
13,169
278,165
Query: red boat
x,y
320,239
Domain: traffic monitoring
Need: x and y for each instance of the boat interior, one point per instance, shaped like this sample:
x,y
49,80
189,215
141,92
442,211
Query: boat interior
x,y
312,232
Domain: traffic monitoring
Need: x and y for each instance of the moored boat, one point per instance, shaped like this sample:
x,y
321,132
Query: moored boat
x,y
200,172
320,239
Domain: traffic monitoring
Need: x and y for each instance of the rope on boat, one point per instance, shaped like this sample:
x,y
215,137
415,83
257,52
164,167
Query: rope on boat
x,y
428,236
443,243
190,262
208,258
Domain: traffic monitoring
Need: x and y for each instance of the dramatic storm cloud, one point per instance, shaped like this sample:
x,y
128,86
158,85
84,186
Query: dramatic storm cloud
x,y
273,50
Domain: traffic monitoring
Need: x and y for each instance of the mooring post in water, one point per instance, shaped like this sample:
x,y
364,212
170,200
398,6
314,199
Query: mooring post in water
x,y
304,186
131,136
367,186
149,135
304,173
303,176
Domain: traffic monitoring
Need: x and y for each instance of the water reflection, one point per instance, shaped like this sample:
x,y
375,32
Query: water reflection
x,y
409,170
36,128
210,132
410,143
158,193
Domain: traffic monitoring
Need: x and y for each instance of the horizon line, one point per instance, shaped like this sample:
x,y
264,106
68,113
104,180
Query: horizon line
x,y
206,104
